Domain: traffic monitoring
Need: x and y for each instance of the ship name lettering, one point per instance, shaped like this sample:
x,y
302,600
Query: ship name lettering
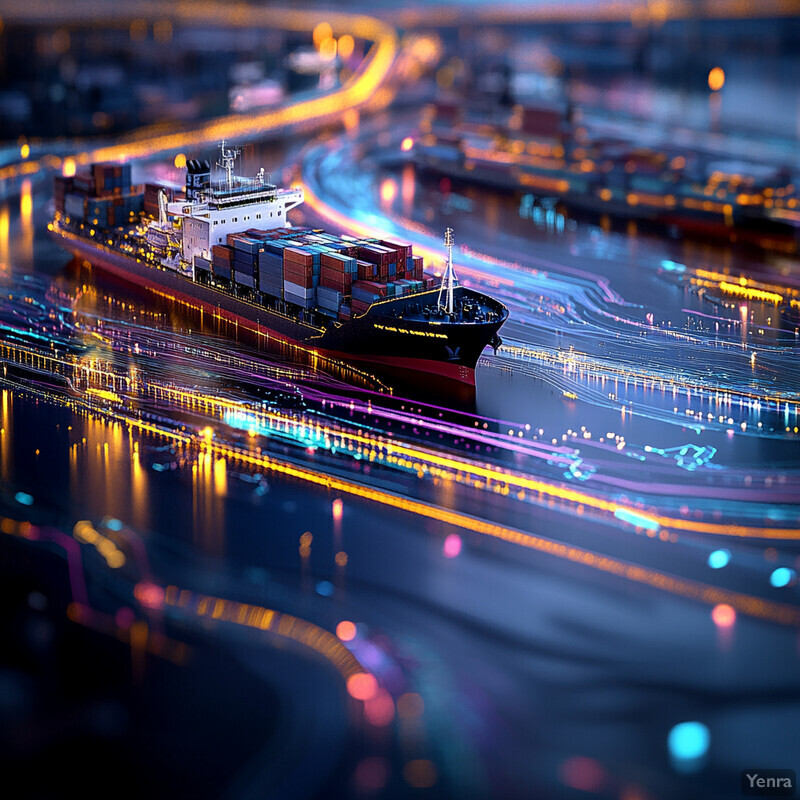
x,y
393,329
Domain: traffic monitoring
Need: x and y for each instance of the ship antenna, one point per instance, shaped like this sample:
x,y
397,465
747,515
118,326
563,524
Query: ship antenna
x,y
449,280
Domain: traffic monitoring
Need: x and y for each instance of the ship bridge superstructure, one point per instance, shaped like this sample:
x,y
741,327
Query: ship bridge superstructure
x,y
229,204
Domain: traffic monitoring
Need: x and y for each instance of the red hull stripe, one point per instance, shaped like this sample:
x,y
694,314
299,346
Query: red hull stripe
x,y
445,369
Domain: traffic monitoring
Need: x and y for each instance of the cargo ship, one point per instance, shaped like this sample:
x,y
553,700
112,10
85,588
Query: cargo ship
x,y
224,245
540,151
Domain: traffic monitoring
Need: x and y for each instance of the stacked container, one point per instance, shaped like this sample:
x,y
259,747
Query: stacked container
x,y
365,293
339,277
270,269
337,272
111,179
298,277
222,261
101,196
329,300
246,250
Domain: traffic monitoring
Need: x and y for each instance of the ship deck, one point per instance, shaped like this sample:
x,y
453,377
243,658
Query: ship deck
x,y
471,308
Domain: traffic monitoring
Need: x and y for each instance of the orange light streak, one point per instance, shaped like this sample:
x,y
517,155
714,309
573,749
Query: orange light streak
x,y
284,625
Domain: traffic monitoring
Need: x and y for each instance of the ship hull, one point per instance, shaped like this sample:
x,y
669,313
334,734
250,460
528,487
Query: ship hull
x,y
377,341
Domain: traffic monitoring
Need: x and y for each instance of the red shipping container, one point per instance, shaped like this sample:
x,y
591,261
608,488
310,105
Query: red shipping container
x,y
372,286
300,269
336,280
300,278
403,250
222,252
298,256
326,260
336,275
376,254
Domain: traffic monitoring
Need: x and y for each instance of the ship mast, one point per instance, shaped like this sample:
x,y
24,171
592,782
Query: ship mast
x,y
227,161
449,280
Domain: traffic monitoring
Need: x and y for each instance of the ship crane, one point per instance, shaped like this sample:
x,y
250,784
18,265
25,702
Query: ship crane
x,y
449,281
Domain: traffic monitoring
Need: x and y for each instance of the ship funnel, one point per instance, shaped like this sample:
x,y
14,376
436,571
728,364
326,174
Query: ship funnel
x,y
198,180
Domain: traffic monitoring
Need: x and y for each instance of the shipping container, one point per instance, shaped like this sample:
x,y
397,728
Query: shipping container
x,y
75,206
402,249
376,254
298,256
301,279
295,289
202,264
245,244
339,262
222,251
329,298
244,269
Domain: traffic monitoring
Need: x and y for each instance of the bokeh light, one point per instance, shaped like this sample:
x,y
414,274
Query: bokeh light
x,y
580,772
420,773
452,545
782,576
688,743
346,630
716,79
372,774
719,559
362,686
379,710
724,616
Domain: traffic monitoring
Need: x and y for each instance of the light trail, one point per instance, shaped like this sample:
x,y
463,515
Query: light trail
x,y
270,621
746,604
361,89
651,379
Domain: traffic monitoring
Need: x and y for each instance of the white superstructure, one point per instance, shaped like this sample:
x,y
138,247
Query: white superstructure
x,y
230,205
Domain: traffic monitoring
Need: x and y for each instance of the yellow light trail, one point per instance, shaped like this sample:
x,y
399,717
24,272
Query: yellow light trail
x,y
746,287
746,604
287,626
355,93
362,88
